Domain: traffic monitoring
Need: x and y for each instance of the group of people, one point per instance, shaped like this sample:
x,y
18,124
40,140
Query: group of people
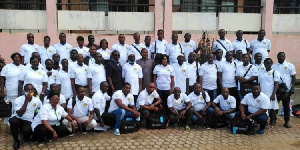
x,y
58,89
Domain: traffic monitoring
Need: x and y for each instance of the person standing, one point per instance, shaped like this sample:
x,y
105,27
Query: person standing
x,y
27,49
174,49
188,45
159,46
260,45
148,45
222,43
63,48
240,43
104,51
181,79
46,51
114,73
136,47
287,73
192,70
81,48
90,59
64,79
78,75
147,66
123,48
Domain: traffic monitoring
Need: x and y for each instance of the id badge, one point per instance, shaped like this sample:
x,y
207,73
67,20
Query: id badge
x,y
58,124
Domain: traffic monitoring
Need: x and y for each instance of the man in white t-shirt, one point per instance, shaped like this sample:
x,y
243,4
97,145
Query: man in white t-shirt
x,y
261,45
63,48
218,57
159,46
188,45
238,57
28,48
22,117
133,74
46,51
287,73
222,43
240,43
254,106
73,58
81,48
54,88
53,76
119,106
78,75
122,47
99,102
192,70
174,49
81,110
148,101
259,64
136,47
180,108
225,104
208,76
181,78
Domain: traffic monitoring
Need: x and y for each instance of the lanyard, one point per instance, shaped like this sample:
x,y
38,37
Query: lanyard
x,y
55,115
259,67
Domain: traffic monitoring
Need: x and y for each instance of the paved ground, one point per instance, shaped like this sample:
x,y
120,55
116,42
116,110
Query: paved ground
x,y
173,138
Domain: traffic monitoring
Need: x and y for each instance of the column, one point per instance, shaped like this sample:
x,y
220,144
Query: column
x,y
158,17
51,19
168,20
267,17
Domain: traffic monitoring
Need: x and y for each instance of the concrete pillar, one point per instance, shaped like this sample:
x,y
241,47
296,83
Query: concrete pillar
x,y
158,16
168,20
267,17
52,20
240,3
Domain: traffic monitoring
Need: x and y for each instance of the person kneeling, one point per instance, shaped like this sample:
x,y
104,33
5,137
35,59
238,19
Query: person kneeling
x,y
47,122
81,110
258,103
146,104
180,108
119,106
227,105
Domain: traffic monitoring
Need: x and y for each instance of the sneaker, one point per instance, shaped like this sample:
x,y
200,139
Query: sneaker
x,y
117,132
17,145
287,124
71,133
40,145
138,119
187,128
261,131
83,129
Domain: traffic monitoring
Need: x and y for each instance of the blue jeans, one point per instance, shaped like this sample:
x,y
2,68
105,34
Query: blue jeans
x,y
230,115
120,114
212,94
209,111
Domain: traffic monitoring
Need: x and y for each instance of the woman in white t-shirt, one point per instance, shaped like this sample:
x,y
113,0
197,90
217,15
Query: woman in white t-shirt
x,y
10,78
35,76
104,51
269,81
47,122
163,77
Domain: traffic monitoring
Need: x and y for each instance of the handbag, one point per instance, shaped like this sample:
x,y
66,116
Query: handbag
x,y
247,86
5,108
129,125
282,91
157,121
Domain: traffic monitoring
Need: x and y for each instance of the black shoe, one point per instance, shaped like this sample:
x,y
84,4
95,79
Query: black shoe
x,y
17,145
83,129
287,124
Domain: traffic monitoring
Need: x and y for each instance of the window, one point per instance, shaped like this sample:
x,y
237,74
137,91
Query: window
x,y
286,7
23,4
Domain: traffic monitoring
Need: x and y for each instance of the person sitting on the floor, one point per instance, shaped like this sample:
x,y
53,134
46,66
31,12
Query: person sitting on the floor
x,y
227,104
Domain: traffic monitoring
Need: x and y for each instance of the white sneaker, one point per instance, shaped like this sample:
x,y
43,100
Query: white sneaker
x,y
117,132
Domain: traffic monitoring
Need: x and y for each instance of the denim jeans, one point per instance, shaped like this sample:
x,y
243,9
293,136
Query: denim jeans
x,y
230,115
212,94
209,111
120,114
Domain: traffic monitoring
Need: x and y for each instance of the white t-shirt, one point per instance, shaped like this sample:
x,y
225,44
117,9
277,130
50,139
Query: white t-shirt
x,y
161,46
62,100
163,78
198,101
26,50
209,76
192,72
228,74
71,63
65,84
266,80
105,53
99,101
178,104
180,76
241,70
238,63
63,50
54,78
226,43
85,51
48,113
46,53
132,74
260,47
80,74
173,51
96,72
31,107
36,78
187,48
254,105
126,100
82,107
260,68
145,98
218,62
241,45
123,52
286,70
225,104
136,52
11,72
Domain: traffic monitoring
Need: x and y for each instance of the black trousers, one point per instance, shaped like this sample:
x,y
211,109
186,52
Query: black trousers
x,y
286,108
108,119
40,132
24,125
186,120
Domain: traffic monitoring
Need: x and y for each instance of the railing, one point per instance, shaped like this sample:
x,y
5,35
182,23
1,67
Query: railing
x,y
219,8
23,5
106,7
286,10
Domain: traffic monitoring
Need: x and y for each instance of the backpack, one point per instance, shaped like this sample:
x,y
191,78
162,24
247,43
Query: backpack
x,y
157,121
129,125
240,126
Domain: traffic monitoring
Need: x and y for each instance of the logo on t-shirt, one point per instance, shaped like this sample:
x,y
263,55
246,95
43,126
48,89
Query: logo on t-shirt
x,y
128,99
183,70
262,68
165,45
269,74
168,70
35,48
227,42
258,100
284,67
152,96
54,76
178,101
34,104
190,45
85,70
58,114
67,48
134,68
228,103
39,73
264,43
195,66
50,51
84,104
